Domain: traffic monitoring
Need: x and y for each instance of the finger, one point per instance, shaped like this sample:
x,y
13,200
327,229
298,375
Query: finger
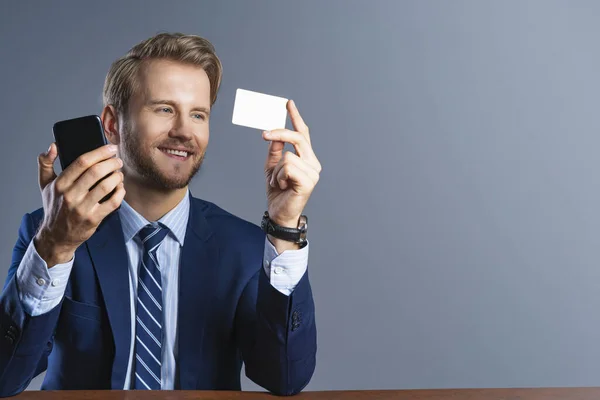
x,y
274,154
291,159
277,168
93,174
104,187
83,162
110,205
297,139
297,121
46,172
294,176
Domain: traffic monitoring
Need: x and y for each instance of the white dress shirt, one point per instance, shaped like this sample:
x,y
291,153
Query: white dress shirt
x,y
41,289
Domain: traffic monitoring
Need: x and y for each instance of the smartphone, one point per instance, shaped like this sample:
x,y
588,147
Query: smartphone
x,y
78,136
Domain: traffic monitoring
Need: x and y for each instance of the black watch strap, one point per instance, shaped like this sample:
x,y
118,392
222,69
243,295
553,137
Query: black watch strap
x,y
295,235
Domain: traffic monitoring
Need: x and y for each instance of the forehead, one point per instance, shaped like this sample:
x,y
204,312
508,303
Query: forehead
x,y
174,81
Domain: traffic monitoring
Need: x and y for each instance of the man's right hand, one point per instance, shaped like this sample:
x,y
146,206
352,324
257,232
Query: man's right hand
x,y
72,211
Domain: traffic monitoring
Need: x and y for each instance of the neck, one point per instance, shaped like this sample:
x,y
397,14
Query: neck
x,y
151,203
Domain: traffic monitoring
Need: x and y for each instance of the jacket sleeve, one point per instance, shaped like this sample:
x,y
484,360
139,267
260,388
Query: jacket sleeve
x,y
25,341
277,334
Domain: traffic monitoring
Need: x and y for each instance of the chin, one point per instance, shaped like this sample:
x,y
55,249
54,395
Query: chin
x,y
173,182
166,178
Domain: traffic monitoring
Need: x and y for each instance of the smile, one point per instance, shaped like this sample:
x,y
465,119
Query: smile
x,y
177,154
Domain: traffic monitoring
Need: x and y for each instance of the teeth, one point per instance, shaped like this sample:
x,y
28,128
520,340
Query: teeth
x,y
177,152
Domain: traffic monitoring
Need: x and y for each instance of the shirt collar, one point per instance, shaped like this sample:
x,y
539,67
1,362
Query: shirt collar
x,y
176,220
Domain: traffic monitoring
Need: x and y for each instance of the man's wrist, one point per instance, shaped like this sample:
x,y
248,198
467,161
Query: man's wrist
x,y
50,251
285,234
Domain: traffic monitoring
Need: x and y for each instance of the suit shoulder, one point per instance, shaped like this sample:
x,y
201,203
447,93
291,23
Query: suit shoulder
x,y
37,215
225,223
30,222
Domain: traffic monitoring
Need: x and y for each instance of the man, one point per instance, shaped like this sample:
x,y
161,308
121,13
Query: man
x,y
167,291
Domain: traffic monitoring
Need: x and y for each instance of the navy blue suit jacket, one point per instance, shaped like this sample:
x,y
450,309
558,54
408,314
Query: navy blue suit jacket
x,y
228,313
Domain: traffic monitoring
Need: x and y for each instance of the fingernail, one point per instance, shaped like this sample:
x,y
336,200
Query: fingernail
x,y
112,148
267,133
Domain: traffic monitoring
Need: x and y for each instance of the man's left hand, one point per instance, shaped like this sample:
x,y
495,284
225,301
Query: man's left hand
x,y
291,177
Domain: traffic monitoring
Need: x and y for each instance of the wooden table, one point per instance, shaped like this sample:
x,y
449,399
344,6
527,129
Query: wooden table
x,y
436,394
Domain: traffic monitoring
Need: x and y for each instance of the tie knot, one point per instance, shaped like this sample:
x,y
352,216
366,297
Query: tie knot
x,y
152,236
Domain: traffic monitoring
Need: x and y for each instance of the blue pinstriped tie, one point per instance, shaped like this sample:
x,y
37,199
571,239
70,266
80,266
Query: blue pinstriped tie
x,y
148,339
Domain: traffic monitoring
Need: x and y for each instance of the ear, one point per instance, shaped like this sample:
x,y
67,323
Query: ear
x,y
110,123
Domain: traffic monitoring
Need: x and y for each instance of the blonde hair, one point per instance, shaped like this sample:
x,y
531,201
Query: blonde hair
x,y
122,78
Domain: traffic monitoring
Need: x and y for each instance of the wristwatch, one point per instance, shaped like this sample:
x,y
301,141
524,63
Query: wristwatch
x,y
296,235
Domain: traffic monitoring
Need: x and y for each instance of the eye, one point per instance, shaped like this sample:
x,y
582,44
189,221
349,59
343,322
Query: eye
x,y
165,109
199,116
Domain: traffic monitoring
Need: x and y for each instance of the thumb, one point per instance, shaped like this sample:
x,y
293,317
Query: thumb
x,y
275,154
46,166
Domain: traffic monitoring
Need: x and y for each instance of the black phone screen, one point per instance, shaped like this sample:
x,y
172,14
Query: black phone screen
x,y
75,137
78,136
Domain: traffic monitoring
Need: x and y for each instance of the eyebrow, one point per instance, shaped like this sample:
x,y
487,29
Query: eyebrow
x,y
172,103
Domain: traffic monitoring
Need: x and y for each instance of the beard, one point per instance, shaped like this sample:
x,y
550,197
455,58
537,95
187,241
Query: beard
x,y
139,159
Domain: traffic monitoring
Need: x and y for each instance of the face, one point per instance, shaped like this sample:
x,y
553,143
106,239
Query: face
x,y
165,134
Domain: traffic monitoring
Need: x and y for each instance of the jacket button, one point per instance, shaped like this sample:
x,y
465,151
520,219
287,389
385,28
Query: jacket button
x,y
9,339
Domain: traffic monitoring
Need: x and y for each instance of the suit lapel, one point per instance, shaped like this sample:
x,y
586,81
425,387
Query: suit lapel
x,y
109,257
197,276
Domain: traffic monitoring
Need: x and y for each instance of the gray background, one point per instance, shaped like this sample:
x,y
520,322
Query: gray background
x,y
454,232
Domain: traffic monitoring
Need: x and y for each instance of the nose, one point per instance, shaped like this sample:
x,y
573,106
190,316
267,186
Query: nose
x,y
182,129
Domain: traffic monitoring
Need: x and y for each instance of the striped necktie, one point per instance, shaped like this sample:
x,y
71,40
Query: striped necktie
x,y
148,326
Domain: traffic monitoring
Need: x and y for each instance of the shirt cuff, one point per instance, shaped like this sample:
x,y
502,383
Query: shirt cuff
x,y
286,269
41,289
